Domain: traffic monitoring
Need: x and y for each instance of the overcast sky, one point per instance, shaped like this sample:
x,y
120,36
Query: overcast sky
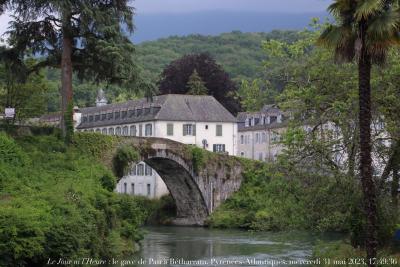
x,y
291,6
185,6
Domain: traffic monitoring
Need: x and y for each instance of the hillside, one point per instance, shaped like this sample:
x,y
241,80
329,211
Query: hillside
x,y
239,53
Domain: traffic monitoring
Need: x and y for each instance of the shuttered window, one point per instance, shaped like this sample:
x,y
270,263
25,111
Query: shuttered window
x,y
170,129
189,129
219,130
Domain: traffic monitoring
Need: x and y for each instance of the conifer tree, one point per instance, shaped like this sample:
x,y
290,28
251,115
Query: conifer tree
x,y
82,36
196,85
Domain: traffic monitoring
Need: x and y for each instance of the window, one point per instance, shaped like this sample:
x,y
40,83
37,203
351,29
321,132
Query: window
x,y
117,115
103,117
110,116
149,171
98,131
138,112
140,170
257,138
148,131
132,188
170,129
242,154
131,113
133,171
97,117
118,131
140,130
219,148
85,119
273,119
260,156
264,137
110,131
146,111
125,131
104,131
206,127
90,118
124,114
256,121
148,189
133,130
219,130
242,139
189,129
125,188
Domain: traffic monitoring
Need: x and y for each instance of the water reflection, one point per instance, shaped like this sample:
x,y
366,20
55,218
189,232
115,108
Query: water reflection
x,y
186,246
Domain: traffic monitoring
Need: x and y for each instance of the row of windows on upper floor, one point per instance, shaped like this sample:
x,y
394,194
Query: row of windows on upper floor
x,y
262,156
263,120
132,191
141,169
259,138
125,130
120,114
187,130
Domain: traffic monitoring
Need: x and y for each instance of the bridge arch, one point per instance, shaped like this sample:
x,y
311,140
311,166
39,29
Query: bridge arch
x,y
197,191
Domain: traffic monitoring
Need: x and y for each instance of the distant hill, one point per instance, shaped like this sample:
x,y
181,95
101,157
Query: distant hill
x,y
239,53
154,26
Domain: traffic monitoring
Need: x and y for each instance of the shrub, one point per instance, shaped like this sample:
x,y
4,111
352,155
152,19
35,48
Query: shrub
x,y
10,151
122,159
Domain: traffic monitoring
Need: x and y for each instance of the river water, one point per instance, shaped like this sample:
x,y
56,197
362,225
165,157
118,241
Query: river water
x,y
194,246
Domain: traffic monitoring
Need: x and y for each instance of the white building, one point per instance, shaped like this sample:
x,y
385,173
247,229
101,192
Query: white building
x,y
189,119
259,133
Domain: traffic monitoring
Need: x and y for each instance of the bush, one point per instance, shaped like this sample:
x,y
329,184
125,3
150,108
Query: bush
x,y
10,152
123,158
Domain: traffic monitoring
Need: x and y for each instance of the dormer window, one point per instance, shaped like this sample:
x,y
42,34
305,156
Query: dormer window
x,y
131,113
97,117
117,115
256,121
273,119
138,112
246,123
91,118
103,117
146,111
110,116
85,119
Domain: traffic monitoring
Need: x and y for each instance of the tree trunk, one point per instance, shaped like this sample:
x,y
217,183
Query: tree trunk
x,y
395,187
66,73
366,171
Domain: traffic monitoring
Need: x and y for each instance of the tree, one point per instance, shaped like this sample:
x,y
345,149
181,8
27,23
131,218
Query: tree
x,y
84,36
364,32
196,85
175,77
255,94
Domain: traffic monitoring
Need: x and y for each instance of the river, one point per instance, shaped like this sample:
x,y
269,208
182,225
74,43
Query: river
x,y
194,246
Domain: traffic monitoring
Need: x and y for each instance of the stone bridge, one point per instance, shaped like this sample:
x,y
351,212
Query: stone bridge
x,y
198,180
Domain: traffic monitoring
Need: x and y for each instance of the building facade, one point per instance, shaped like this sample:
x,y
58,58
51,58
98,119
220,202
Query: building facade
x,y
194,120
259,133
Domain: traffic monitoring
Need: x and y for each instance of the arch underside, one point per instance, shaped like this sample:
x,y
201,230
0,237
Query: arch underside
x,y
191,207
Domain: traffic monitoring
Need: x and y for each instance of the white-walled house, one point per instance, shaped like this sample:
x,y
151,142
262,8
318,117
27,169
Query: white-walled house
x,y
189,119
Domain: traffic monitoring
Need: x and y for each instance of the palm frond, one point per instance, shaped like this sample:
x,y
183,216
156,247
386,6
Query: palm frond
x,y
341,38
367,8
384,24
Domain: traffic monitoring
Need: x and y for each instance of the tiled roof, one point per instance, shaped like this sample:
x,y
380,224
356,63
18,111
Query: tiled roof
x,y
165,107
260,127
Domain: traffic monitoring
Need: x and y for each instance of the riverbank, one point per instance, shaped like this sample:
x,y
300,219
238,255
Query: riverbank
x,y
58,201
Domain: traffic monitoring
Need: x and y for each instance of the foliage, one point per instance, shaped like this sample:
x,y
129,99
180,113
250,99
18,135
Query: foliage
x,y
198,158
123,158
196,85
69,123
176,75
10,152
254,95
272,199
55,206
93,144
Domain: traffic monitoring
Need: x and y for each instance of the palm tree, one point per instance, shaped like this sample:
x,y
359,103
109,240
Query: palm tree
x,y
365,30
